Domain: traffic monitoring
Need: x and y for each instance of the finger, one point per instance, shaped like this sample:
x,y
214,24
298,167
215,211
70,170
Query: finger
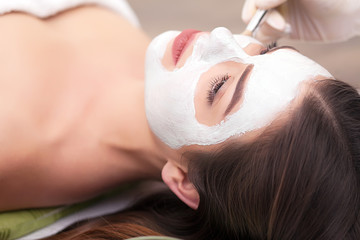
x,y
248,10
273,28
276,21
267,4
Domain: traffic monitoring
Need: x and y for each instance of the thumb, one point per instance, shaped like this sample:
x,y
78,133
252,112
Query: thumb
x,y
248,10
267,4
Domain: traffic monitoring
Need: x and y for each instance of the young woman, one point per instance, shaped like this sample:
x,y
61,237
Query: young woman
x,y
255,142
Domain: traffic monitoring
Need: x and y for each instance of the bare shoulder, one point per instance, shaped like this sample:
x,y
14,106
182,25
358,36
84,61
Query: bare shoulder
x,y
47,63
50,73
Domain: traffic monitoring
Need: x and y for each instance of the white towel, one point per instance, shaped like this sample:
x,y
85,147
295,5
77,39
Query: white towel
x,y
46,8
104,207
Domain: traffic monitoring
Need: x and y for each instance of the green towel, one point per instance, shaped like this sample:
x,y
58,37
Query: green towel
x,y
154,238
15,224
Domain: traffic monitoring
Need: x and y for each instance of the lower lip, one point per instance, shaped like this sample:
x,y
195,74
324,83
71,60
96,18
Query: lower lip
x,y
181,42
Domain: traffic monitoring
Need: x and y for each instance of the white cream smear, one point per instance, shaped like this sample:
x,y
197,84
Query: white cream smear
x,y
169,95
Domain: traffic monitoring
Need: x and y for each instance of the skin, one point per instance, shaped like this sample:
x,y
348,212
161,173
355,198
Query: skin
x,y
72,114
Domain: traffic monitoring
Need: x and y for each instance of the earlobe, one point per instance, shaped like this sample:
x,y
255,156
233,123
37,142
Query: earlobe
x,y
177,180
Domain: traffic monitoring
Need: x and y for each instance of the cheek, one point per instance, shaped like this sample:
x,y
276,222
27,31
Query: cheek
x,y
253,49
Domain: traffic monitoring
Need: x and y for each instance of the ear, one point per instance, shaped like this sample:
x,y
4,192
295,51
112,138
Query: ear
x,y
177,180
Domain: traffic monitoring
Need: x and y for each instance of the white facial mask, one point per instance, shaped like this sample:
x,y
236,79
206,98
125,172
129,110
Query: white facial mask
x,y
169,95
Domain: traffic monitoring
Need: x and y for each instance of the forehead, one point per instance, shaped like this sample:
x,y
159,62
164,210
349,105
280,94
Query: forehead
x,y
284,68
274,82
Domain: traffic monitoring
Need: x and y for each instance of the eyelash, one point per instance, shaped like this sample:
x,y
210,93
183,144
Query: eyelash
x,y
215,86
218,82
268,48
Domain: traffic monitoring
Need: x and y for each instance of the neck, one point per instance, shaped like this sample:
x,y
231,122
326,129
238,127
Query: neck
x,y
128,134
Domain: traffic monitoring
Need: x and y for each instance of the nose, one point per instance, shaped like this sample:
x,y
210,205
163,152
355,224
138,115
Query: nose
x,y
245,41
220,44
249,46
221,31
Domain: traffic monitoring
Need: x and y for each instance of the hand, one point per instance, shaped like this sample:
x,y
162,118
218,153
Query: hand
x,y
317,20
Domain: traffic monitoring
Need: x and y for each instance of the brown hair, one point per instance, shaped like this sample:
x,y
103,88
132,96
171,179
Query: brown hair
x,y
298,180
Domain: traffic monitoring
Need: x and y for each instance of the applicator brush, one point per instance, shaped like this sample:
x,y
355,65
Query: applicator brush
x,y
254,22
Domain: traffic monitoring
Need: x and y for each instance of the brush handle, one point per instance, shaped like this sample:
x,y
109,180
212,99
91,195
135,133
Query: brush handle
x,y
256,19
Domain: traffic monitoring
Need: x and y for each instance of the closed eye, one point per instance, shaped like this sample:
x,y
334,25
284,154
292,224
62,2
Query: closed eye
x,y
273,49
215,86
268,48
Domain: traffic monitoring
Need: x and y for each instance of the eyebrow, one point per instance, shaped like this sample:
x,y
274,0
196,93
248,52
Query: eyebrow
x,y
282,47
238,89
241,82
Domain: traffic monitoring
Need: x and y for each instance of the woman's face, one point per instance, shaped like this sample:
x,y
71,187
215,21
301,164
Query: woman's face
x,y
203,88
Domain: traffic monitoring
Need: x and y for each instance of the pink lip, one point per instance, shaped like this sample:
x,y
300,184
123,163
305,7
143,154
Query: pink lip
x,y
181,42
